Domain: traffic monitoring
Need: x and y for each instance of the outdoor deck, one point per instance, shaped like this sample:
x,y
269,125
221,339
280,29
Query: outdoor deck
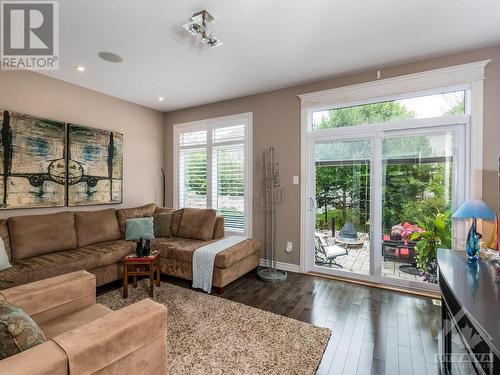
x,y
358,261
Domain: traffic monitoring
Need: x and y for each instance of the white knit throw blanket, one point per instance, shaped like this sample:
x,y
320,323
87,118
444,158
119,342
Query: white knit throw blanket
x,y
204,258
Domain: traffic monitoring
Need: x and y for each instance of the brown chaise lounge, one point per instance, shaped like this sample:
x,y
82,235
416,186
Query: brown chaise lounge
x,y
42,246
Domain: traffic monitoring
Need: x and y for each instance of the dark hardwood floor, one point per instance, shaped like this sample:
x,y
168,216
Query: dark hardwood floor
x,y
374,331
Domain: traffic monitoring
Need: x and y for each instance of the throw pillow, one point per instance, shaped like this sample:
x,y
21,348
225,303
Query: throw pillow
x,y
197,224
4,257
135,229
163,225
18,332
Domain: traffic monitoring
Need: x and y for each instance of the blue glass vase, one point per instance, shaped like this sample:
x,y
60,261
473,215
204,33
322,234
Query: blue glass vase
x,y
472,245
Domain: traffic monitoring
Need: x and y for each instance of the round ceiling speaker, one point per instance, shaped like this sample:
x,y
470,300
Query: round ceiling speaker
x,y
110,57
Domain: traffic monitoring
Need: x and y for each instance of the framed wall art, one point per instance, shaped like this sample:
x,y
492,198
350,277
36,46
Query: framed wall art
x,y
95,166
32,161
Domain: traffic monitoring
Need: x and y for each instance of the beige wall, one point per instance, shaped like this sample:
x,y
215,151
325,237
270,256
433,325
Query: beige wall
x,y
276,122
143,129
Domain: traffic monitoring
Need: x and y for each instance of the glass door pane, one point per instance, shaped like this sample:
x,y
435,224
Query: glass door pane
x,y
342,213
418,174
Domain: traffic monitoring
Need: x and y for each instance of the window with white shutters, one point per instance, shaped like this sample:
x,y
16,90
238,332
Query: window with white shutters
x,y
212,160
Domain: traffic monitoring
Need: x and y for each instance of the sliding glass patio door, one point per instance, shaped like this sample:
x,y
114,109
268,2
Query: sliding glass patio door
x,y
373,196
341,216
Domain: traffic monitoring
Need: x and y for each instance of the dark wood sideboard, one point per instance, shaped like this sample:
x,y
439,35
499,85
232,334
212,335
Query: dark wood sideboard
x,y
470,316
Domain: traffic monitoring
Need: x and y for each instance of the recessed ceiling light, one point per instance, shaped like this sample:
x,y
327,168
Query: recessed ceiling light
x,y
80,68
161,98
110,57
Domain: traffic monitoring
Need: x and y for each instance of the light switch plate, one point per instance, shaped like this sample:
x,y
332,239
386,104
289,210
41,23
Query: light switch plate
x,y
295,180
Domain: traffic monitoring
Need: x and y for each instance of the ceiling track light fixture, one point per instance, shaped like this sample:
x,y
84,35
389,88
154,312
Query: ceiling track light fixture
x,y
198,26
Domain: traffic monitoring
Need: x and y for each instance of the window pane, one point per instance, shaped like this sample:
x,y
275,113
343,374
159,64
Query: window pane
x,y
342,215
437,105
229,134
193,178
229,185
417,197
342,152
193,138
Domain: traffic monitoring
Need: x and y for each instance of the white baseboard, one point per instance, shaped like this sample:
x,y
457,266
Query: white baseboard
x,y
282,266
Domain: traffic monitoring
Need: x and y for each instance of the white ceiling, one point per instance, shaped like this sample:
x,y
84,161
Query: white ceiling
x,y
268,44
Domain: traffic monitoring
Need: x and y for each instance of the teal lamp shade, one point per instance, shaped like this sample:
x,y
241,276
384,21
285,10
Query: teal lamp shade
x,y
474,209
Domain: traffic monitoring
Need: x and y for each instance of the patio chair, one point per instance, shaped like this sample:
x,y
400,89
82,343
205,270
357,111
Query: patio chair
x,y
327,254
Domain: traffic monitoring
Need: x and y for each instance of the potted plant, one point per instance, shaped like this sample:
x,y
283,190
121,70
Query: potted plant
x,y
436,234
404,232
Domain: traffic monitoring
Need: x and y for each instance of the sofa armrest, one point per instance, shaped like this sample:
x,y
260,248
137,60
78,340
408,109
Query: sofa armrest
x,y
44,359
45,300
133,339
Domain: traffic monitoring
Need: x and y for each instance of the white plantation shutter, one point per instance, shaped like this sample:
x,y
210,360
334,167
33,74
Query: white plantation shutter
x,y
193,178
193,138
212,170
229,185
229,134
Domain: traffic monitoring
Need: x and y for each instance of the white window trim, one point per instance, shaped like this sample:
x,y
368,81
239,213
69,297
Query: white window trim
x,y
220,122
469,76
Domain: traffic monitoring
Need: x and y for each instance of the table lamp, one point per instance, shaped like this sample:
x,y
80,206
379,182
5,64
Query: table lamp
x,y
474,209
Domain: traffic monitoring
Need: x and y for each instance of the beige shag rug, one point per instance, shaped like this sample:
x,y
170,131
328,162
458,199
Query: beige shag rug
x,y
211,335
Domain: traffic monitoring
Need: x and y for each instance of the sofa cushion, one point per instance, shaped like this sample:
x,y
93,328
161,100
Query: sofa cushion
x,y
111,252
197,223
163,225
164,210
16,274
73,320
219,227
176,220
141,227
226,258
18,332
177,248
123,214
4,233
96,226
182,249
54,264
41,234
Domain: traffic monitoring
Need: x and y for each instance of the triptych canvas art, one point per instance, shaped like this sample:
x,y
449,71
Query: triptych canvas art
x,y
45,163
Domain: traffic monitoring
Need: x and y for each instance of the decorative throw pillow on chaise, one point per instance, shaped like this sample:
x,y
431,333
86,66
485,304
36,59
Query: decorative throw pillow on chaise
x,y
163,225
18,332
136,229
197,224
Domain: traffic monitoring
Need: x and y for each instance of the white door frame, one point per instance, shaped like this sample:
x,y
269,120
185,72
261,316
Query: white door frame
x,y
468,76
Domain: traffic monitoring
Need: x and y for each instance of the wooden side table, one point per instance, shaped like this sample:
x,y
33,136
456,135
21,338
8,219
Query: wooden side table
x,y
141,266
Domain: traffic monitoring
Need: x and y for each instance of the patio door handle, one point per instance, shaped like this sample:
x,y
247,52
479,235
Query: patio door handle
x,y
312,204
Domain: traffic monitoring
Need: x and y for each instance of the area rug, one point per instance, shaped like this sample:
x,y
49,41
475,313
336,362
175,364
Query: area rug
x,y
207,334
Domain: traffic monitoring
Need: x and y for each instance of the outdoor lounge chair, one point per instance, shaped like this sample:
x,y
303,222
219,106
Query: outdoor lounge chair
x,y
326,254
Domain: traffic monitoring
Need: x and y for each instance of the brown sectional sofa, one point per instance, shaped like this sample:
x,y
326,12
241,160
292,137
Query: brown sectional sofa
x,y
84,337
42,246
